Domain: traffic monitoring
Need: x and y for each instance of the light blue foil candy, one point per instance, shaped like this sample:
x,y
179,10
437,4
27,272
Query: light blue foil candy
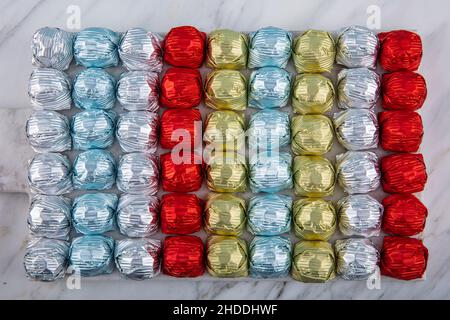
x,y
269,46
94,213
137,131
49,89
270,171
139,91
50,173
138,173
52,48
94,170
269,87
93,129
269,130
270,257
96,47
269,215
94,88
92,255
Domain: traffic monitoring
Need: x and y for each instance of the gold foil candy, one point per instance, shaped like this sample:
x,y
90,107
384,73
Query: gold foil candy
x,y
225,214
314,51
311,134
227,49
314,219
312,94
225,130
314,176
226,172
226,257
226,90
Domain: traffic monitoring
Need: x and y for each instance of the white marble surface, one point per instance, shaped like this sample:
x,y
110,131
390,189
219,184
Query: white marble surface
x,y
19,19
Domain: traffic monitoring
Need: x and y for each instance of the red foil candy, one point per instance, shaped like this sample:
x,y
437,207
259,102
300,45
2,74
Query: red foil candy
x,y
185,176
181,213
400,50
400,131
404,215
181,88
183,256
185,47
403,258
183,120
403,90
403,173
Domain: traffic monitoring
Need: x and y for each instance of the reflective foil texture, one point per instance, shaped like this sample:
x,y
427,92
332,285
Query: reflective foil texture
x,y
225,130
138,215
94,170
182,127
226,90
94,88
312,93
269,87
356,259
184,46
225,214
49,89
311,134
313,261
139,91
181,213
270,257
226,49
96,47
93,129
314,51
52,48
403,90
181,88
400,131
183,256
137,131
270,171
269,47
182,173
50,173
138,173
314,176
269,130
314,219
227,172
226,257
358,88
356,129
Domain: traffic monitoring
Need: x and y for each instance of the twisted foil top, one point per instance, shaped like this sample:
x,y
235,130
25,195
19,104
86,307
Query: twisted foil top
x,y
94,170
225,214
268,130
312,93
314,51
94,88
226,257
314,219
270,171
138,173
270,257
269,47
139,91
93,129
226,90
52,48
358,88
269,87
138,131
314,176
226,172
226,49
356,259
50,173
138,215
224,130
313,261
311,134
49,89
356,129
96,47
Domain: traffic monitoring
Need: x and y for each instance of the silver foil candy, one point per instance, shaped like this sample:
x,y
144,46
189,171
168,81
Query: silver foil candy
x,y
49,89
269,129
270,171
94,170
52,48
50,173
48,131
93,129
269,215
269,46
138,259
94,213
270,257
356,129
137,131
94,88
138,215
91,256
356,47
46,259
50,217
141,50
269,87
139,91
358,88
358,171
138,173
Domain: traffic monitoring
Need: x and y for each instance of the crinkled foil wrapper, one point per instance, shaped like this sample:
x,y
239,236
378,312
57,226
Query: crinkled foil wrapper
x,y
269,215
314,176
269,130
226,257
269,87
312,94
138,259
358,88
269,47
48,131
356,259
139,91
314,219
93,129
270,257
270,171
94,170
138,131
50,173
358,171
138,173
356,129
52,48
96,47
225,214
312,134
138,215
314,51
94,213
224,130
49,89
226,49
360,215
94,88
226,90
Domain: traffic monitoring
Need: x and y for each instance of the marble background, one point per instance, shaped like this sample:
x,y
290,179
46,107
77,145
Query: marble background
x,y
19,19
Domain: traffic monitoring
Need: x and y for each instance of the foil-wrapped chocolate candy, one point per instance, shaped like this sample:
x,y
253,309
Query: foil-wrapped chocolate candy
x,y
94,170
312,134
226,90
226,172
269,87
138,215
312,94
356,259
52,48
314,218
93,129
356,129
138,173
270,171
140,49
50,173
48,131
139,91
269,47
268,130
314,51
49,89
358,171
270,257
225,214
137,131
94,88
226,257
269,215
358,88
46,259
357,46
224,130
94,213
226,49
138,259
314,176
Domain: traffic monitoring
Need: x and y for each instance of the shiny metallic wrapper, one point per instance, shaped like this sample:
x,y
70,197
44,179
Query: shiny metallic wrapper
x,y
46,259
270,171
52,48
227,172
139,91
358,88
356,129
356,259
50,173
270,257
138,215
357,46
138,173
269,215
313,261
358,171
226,49
225,214
268,130
49,89
94,170
225,130
314,219
92,256
226,257
93,129
48,131
138,259
312,93
137,131
94,88
312,134
360,215
269,87
269,47
140,49
314,176
94,213
226,90
314,51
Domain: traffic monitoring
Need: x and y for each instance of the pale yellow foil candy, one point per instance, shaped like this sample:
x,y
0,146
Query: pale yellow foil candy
x,y
225,214
226,172
226,90
224,130
227,49
314,219
313,261
314,176
314,51
226,257
312,94
312,134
